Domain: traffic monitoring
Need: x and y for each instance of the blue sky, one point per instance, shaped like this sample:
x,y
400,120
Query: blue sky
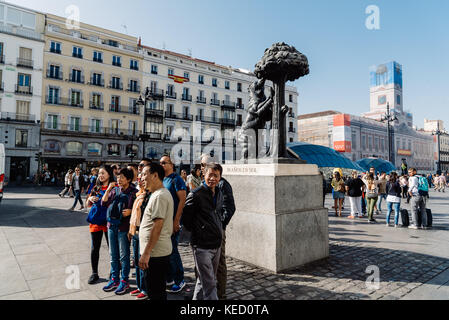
x,y
331,33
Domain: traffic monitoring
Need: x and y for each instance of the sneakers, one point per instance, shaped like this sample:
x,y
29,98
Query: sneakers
x,y
93,278
177,288
169,284
372,221
135,292
413,227
351,217
72,209
142,296
122,288
396,226
111,286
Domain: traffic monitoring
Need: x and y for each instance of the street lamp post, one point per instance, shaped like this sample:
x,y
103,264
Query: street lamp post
x,y
142,102
389,117
438,133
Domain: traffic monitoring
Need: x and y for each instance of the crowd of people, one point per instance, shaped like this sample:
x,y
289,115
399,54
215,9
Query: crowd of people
x,y
145,207
367,192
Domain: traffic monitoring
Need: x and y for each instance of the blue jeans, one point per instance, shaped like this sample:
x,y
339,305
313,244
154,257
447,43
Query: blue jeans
x,y
139,273
77,198
119,252
381,196
397,208
176,270
363,200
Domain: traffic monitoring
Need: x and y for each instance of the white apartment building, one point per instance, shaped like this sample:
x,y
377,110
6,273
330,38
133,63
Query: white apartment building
x,y
21,60
198,106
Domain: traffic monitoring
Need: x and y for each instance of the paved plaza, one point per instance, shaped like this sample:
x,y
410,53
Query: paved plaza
x,y
40,241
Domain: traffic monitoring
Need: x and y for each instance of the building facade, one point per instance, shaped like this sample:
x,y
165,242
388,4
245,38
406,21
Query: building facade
x,y
21,67
359,137
92,81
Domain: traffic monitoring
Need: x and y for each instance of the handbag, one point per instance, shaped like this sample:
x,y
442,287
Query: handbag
x,y
393,199
97,213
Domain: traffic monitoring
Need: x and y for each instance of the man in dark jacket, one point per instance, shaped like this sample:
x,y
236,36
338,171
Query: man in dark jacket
x,y
78,185
202,217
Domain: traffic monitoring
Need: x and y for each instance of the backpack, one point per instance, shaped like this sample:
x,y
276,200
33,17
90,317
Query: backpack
x,y
97,213
423,186
115,209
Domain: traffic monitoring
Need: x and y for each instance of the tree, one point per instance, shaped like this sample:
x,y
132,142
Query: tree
x,y
280,63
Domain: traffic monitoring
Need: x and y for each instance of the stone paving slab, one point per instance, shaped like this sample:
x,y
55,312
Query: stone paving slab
x,y
39,239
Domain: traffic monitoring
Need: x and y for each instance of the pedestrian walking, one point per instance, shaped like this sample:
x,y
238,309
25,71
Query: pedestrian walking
x,y
202,217
382,184
442,183
142,196
67,183
97,218
78,186
92,180
339,189
155,232
354,188
393,199
119,198
175,184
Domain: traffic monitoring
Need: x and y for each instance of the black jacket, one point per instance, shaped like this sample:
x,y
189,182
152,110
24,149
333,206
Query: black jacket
x,y
81,180
228,208
203,218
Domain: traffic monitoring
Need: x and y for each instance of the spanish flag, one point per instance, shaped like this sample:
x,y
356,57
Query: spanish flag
x,y
178,79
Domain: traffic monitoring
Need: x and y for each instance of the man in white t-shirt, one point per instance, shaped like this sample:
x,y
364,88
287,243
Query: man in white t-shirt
x,y
155,232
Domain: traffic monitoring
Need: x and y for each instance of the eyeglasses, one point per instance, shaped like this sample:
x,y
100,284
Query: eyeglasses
x,y
141,165
163,163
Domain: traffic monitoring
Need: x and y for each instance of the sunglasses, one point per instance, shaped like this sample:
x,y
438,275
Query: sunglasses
x,y
163,163
141,165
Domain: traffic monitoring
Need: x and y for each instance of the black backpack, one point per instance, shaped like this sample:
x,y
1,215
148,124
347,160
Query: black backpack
x,y
115,209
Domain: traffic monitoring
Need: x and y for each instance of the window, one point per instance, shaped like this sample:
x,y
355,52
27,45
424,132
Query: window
x,y
382,144
94,149
171,72
75,123
154,69
21,138
154,127
132,125
115,126
54,72
370,143
77,52
200,114
239,87
239,102
77,76
96,100
153,86
133,64
290,98
96,79
185,111
133,87
117,61
75,98
53,95
214,115
364,142
98,56
376,144
26,56
24,80
170,90
201,94
74,148
353,140
186,75
113,149
170,109
214,82
52,121
398,99
227,85
55,47
200,79
115,83
95,126
239,120
132,149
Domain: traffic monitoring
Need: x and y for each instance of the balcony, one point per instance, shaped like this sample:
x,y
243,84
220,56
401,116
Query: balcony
x,y
291,114
96,106
96,82
181,116
77,55
54,50
135,88
291,130
68,129
240,106
228,104
228,122
117,64
201,100
57,75
157,94
154,112
186,97
207,119
124,109
64,102
9,116
25,63
215,102
170,95
2,59
97,60
134,68
76,79
115,85
25,90
151,136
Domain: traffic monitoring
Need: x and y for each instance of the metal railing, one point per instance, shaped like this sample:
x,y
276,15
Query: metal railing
x,y
10,116
227,104
135,88
170,95
70,128
25,63
186,97
115,86
97,83
75,79
54,75
292,130
201,100
240,106
182,116
96,106
230,122
64,101
154,112
124,109
27,90
207,119
214,102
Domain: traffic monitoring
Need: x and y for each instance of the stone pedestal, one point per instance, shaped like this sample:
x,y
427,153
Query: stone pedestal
x,y
280,222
